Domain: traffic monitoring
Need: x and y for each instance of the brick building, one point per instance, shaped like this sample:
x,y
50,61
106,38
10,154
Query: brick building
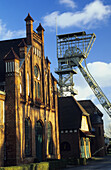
x,y
75,129
2,127
97,143
31,107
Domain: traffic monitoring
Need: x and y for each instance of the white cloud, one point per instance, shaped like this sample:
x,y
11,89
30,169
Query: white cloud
x,y
91,14
8,34
68,3
101,72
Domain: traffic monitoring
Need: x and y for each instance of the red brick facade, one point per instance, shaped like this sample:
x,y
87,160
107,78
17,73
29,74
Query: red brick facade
x,y
2,127
31,100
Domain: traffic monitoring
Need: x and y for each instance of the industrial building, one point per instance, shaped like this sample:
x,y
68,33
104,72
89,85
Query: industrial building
x,y
30,129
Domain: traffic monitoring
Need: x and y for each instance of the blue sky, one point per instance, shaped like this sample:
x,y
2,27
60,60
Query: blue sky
x,y
92,16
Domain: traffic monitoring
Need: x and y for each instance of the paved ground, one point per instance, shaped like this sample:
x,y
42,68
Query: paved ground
x,y
95,163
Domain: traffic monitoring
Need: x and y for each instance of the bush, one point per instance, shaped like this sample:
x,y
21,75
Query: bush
x,y
83,161
73,161
32,166
56,164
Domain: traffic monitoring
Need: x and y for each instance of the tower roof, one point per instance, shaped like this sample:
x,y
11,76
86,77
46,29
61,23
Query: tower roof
x,y
28,18
22,44
11,55
40,28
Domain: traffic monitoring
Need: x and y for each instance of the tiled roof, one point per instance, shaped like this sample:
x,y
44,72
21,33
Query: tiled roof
x,y
95,113
70,113
5,47
11,55
22,44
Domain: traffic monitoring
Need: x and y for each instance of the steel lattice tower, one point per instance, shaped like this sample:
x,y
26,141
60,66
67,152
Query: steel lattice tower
x,y
71,49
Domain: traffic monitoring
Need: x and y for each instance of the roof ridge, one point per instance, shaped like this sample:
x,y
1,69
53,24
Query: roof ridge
x,y
11,55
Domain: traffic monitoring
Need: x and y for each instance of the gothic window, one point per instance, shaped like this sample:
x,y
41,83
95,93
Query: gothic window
x,y
28,137
50,140
39,139
38,90
37,82
65,146
35,51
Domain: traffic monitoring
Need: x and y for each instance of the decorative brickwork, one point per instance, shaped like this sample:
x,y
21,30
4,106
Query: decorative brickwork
x,y
31,94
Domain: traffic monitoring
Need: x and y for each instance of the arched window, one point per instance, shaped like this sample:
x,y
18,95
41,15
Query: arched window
x,y
39,140
28,137
50,140
38,90
65,146
37,81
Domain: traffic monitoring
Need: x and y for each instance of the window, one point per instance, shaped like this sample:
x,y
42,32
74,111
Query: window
x,y
38,90
65,146
82,148
28,137
39,140
35,51
50,140
20,88
37,82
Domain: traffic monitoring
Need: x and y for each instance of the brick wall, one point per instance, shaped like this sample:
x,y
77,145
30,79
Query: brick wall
x,y
73,140
98,141
2,127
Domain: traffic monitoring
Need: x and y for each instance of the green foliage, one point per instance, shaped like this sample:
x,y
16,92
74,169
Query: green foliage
x,y
73,161
43,166
57,164
83,161
32,166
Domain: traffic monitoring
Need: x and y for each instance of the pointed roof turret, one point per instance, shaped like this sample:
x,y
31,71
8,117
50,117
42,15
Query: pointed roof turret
x,y
11,55
22,44
28,18
40,28
47,60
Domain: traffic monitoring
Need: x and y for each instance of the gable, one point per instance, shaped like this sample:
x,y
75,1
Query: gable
x,y
5,47
84,124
